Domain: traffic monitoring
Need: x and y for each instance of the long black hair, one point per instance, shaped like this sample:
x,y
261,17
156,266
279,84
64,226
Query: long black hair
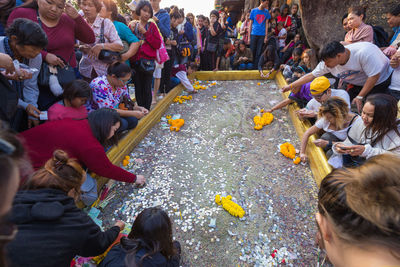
x,y
27,33
385,117
101,121
152,231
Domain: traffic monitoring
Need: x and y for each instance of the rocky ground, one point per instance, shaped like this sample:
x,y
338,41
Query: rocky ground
x,y
217,151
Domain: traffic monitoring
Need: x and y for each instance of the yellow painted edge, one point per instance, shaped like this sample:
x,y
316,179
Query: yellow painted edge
x,y
317,158
230,75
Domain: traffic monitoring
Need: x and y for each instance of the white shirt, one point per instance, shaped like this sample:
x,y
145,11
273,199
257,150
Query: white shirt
x,y
366,60
314,104
395,85
340,134
281,42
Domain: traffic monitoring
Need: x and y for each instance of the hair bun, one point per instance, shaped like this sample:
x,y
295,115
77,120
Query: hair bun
x,y
60,157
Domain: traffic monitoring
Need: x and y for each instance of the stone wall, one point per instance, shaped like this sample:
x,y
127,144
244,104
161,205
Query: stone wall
x,y
322,18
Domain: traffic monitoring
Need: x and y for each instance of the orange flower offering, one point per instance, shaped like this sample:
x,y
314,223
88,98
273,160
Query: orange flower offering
x,y
297,160
176,124
261,121
125,161
288,150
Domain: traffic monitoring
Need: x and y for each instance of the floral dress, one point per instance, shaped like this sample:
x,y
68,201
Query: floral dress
x,y
103,94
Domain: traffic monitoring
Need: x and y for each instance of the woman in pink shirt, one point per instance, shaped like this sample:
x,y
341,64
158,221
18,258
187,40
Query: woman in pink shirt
x,y
72,106
360,32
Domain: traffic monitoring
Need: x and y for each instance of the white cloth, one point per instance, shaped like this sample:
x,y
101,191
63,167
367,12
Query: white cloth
x,y
314,104
181,75
324,124
395,85
366,60
281,42
157,71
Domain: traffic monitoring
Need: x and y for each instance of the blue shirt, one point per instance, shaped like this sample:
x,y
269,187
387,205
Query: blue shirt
x,y
125,34
259,18
396,33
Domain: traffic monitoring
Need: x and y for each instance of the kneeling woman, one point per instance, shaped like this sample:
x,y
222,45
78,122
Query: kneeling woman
x,y
377,132
109,90
149,243
335,119
358,214
83,140
51,229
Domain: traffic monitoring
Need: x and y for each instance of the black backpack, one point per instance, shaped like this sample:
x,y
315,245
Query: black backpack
x,y
380,36
8,99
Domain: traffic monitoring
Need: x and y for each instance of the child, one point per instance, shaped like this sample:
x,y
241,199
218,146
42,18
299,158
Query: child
x,y
179,75
309,60
301,98
227,51
292,63
281,37
243,58
298,72
148,244
75,95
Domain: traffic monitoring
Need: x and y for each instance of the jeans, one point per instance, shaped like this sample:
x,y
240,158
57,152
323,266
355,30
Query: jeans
x,y
128,123
174,82
395,93
165,85
246,66
256,46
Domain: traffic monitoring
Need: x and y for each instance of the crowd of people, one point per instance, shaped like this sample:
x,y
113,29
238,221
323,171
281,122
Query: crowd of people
x,y
66,76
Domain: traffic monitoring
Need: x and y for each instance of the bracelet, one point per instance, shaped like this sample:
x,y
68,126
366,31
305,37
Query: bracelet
x,y
360,97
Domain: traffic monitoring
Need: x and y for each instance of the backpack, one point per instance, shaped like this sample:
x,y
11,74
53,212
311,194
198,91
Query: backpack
x,y
184,46
380,36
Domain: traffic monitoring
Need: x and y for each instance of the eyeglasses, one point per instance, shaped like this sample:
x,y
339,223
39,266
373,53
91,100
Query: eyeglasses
x,y
320,95
124,82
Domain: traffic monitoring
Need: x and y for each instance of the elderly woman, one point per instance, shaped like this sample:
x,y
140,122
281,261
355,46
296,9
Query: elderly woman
x,y
24,41
107,39
360,32
62,25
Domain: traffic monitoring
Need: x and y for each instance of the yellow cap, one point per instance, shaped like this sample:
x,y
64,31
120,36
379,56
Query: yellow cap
x,y
319,85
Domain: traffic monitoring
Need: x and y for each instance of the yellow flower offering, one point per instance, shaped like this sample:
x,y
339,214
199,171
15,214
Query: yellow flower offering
x,y
297,160
176,124
258,83
230,206
182,99
214,96
288,150
168,117
262,120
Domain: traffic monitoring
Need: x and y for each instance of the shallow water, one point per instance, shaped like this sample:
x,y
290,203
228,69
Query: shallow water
x,y
217,151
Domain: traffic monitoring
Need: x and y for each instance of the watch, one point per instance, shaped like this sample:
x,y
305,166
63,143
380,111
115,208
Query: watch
x,y
360,97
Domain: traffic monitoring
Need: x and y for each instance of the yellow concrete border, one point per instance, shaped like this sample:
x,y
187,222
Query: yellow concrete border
x,y
132,139
317,158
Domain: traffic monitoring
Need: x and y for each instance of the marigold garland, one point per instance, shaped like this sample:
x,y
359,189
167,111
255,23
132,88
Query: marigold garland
x,y
297,160
230,206
261,121
176,124
182,99
288,150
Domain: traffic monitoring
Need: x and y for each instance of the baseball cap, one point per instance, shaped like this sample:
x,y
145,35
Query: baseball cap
x,y
319,85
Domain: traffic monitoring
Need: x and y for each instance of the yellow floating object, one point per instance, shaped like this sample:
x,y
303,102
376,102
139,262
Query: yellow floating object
x,y
176,124
230,206
182,99
288,150
214,96
261,121
297,160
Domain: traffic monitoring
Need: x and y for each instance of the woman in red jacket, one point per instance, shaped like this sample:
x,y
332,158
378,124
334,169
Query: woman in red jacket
x,y
83,140
144,61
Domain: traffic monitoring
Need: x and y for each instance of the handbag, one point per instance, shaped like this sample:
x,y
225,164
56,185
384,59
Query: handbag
x,y
184,46
212,47
126,103
64,75
147,65
107,56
